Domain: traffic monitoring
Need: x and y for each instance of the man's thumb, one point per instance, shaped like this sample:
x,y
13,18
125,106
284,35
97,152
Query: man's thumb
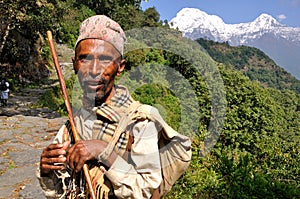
x,y
66,144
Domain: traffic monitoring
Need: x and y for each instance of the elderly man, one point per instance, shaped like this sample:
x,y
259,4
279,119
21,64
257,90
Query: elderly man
x,y
97,62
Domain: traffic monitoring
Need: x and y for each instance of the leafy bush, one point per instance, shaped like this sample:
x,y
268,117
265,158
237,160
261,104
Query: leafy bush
x,y
53,98
257,155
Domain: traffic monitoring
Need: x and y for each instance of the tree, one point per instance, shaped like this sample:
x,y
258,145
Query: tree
x,y
151,17
22,35
24,24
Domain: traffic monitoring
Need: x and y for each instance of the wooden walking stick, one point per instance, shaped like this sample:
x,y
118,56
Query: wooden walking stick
x,y
69,109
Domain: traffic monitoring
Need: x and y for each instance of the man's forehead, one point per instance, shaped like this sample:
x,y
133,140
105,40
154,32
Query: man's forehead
x,y
96,45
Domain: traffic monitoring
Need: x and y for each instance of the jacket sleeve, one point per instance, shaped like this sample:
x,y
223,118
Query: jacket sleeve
x,y
143,176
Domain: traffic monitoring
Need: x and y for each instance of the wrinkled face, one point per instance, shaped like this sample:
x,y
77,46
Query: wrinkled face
x,y
97,63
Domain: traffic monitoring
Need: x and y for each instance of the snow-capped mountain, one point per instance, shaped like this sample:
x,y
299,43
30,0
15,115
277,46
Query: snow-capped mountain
x,y
280,42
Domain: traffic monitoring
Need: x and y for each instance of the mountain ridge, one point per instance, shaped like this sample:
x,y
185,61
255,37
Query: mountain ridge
x,y
195,24
189,18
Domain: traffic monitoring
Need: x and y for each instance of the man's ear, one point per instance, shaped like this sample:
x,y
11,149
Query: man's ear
x,y
74,65
121,67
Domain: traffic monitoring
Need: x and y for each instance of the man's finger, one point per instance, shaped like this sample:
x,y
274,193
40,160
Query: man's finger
x,y
53,167
66,145
54,153
53,147
51,161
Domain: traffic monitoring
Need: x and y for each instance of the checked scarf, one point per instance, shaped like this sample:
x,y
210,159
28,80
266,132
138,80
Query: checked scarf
x,y
108,117
101,126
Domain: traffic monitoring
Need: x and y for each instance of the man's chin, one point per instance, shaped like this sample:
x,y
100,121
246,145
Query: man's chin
x,y
90,96
95,97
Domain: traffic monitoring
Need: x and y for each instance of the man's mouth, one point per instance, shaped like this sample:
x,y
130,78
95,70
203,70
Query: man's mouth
x,y
94,85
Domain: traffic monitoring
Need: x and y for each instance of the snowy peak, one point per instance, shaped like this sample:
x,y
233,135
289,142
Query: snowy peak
x,y
266,21
193,17
194,24
200,16
189,18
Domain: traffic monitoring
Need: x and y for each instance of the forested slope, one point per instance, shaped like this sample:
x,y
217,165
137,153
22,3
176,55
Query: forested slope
x,y
253,63
257,150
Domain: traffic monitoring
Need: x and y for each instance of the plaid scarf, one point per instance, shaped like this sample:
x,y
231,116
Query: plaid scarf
x,y
100,125
103,124
108,117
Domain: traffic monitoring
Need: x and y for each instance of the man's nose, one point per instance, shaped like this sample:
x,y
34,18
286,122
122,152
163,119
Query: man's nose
x,y
96,68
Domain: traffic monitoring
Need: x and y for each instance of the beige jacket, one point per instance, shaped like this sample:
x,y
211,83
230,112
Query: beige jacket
x,y
137,180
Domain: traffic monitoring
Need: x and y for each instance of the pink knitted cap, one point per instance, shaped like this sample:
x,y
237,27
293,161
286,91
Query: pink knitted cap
x,y
103,28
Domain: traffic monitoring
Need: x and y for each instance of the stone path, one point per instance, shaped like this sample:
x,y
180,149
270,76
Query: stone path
x,y
21,104
24,133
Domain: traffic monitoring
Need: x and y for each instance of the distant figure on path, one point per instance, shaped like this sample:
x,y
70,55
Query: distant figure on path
x,y
4,87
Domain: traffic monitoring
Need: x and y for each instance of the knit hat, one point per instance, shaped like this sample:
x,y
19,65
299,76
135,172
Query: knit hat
x,y
103,28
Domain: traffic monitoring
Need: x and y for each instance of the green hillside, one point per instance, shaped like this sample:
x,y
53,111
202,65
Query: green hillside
x,y
257,154
253,63
257,149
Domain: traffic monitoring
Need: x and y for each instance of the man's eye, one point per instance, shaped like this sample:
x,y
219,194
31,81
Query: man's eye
x,y
89,58
85,58
105,59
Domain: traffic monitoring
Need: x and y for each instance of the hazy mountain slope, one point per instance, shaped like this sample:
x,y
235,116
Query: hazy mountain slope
x,y
253,63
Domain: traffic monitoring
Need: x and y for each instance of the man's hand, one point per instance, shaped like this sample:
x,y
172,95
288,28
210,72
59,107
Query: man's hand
x,y
85,150
53,157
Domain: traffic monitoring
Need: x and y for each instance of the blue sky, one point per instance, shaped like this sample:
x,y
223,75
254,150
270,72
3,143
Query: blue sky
x,y
232,11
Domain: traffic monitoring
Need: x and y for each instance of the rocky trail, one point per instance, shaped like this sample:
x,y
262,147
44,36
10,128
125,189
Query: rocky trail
x,y
25,131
